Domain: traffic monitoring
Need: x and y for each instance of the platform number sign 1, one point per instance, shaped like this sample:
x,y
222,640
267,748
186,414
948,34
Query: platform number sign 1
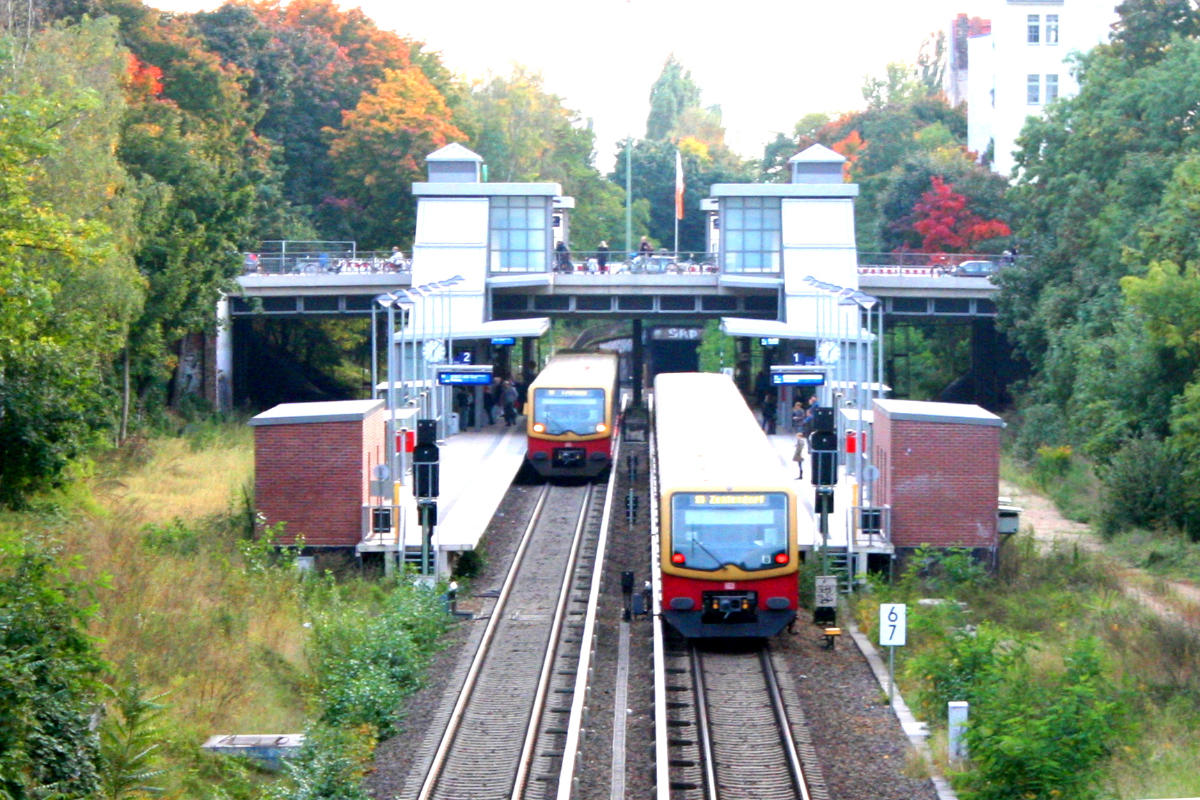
x,y
892,617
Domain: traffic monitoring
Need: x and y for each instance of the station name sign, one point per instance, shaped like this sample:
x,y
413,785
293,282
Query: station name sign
x,y
677,334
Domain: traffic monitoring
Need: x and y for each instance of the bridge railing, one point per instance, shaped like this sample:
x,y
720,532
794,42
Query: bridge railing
x,y
296,261
661,262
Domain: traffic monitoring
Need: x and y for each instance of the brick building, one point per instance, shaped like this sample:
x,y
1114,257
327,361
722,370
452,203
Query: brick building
x,y
939,471
312,468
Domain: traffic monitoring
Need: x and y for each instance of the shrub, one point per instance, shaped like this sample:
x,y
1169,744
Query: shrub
x,y
365,664
1141,487
1050,464
1043,736
967,661
49,669
469,564
330,766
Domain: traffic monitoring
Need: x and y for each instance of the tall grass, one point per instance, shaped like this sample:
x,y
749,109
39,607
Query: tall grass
x,y
1060,474
1046,603
160,528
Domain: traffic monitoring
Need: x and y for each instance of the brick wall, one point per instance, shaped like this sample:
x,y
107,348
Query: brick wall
x,y
314,476
941,480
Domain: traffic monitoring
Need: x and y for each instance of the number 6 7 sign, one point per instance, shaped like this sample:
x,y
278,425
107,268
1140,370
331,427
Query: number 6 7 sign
x,y
892,617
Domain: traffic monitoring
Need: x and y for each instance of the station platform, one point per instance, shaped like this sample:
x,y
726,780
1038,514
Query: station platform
x,y
477,468
845,497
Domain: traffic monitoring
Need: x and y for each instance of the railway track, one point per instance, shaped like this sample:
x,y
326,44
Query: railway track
x,y
733,729
507,732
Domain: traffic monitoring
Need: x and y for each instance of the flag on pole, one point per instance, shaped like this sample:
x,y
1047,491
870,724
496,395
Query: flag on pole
x,y
678,185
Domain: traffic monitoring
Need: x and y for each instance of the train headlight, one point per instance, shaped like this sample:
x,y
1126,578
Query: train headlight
x,y
539,427
678,558
781,558
601,427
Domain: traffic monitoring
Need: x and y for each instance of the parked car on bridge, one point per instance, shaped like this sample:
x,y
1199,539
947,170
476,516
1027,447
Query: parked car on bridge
x,y
974,269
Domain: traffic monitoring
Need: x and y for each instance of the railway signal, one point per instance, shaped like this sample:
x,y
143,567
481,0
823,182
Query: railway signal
x,y
425,483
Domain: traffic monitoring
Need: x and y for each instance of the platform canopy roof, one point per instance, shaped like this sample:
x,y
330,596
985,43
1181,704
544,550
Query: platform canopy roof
x,y
773,328
516,328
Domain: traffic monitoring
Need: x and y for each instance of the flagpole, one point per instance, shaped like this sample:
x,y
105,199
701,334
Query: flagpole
x,y
678,198
628,197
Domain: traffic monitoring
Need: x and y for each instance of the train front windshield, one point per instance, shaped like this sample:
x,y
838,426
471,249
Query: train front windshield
x,y
710,530
579,411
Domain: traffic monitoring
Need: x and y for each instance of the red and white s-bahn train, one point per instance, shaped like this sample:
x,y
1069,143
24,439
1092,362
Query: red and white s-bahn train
x,y
727,513
571,413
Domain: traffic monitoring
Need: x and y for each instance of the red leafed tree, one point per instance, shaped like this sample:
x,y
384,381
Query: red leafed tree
x,y
946,224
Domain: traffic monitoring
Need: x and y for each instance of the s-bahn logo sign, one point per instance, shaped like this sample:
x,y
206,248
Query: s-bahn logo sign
x,y
677,334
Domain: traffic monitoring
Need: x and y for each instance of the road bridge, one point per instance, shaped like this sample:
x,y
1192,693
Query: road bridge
x,y
781,263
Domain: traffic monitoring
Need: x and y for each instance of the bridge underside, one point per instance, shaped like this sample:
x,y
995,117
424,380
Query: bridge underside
x,y
508,305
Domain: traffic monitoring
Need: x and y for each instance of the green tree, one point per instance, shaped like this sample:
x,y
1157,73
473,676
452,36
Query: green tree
x,y
49,670
653,164
129,745
189,145
1102,202
69,289
524,133
673,93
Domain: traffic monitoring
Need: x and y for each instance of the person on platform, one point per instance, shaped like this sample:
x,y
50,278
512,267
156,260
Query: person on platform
x,y
769,414
798,414
508,403
562,257
806,426
798,456
464,402
645,248
602,256
490,394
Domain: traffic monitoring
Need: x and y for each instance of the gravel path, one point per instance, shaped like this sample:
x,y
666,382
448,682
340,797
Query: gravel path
x,y
1176,600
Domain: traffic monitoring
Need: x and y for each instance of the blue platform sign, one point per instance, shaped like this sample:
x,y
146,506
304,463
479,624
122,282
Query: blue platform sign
x,y
464,375
797,378
452,378
504,341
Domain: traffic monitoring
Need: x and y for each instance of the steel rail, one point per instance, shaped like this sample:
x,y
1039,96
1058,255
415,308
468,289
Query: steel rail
x,y
703,734
464,695
789,743
552,641
662,748
566,776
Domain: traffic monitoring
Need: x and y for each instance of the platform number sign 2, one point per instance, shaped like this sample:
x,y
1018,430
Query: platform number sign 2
x,y
892,618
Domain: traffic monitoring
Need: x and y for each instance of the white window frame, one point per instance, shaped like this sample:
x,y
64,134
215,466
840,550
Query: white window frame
x,y
1051,92
1033,28
534,253
751,234
1033,90
1051,37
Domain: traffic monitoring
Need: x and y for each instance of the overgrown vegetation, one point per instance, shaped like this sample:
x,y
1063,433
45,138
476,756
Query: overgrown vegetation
x,y
157,596
1070,684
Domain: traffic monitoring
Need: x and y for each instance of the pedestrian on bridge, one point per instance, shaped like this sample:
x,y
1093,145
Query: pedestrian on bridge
x,y
602,256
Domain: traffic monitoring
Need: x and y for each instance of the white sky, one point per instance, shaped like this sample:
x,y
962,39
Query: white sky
x,y
766,63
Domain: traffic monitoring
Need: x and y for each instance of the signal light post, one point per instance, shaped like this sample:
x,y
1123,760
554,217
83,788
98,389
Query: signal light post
x,y
822,442
425,486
